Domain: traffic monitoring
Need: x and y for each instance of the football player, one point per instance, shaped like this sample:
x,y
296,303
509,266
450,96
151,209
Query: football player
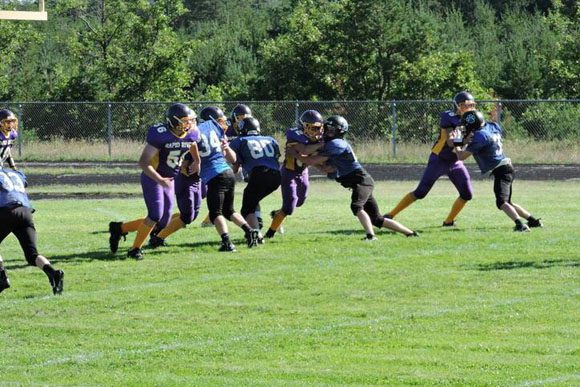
x,y
16,217
485,144
215,154
442,161
258,156
294,173
161,159
238,113
8,133
337,153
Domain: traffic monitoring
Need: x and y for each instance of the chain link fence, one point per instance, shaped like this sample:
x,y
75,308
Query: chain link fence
x,y
110,129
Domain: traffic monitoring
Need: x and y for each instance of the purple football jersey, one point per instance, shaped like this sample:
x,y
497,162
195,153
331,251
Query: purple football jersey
x,y
295,136
448,119
172,149
6,143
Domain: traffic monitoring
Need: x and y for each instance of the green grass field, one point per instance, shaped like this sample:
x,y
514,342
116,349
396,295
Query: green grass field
x,y
477,305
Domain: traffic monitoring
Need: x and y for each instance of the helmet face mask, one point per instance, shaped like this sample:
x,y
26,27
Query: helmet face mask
x,y
239,112
464,102
8,122
181,119
311,123
335,127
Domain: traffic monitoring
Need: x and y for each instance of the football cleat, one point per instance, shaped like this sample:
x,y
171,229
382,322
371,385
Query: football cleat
x,y
116,233
450,224
155,242
260,222
535,223
371,239
270,233
272,215
57,282
413,234
520,227
252,237
227,247
261,240
135,253
4,281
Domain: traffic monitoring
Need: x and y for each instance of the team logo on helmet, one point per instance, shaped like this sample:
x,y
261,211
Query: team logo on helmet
x,y
472,120
8,121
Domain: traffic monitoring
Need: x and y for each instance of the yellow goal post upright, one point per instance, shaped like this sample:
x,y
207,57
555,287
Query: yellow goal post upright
x,y
39,15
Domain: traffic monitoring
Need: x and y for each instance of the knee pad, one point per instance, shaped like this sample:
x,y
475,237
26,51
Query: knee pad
x,y
187,217
419,194
378,221
355,208
31,259
499,203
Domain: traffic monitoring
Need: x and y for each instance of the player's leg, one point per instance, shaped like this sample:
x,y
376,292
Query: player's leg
x,y
434,170
502,188
460,178
302,188
360,195
216,191
5,229
25,232
229,184
206,222
289,200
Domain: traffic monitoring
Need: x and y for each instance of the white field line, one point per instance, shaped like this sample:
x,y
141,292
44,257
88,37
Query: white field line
x,y
557,380
89,356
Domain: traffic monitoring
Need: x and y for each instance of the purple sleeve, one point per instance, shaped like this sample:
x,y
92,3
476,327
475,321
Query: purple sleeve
x,y
292,135
447,121
154,137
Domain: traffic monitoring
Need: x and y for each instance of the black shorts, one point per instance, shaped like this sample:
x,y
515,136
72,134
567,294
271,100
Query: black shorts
x,y
362,185
262,182
18,220
502,184
220,195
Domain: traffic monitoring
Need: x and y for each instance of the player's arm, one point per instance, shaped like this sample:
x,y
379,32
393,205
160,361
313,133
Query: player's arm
x,y
325,168
147,156
10,160
229,153
313,160
453,136
461,153
196,164
307,149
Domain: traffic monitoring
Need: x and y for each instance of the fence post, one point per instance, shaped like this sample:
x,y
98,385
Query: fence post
x,y
394,139
296,113
20,130
109,128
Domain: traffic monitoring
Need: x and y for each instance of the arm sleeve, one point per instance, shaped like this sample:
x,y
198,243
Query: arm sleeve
x,y
477,143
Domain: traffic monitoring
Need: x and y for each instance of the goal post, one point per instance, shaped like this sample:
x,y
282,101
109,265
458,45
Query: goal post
x,y
39,15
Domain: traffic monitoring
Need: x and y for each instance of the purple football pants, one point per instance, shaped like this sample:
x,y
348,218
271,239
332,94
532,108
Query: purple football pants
x,y
159,200
188,191
294,189
436,167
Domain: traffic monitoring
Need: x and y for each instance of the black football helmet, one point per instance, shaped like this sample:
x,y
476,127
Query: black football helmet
x,y
249,126
464,102
181,119
472,120
311,123
8,121
239,112
335,127
215,114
